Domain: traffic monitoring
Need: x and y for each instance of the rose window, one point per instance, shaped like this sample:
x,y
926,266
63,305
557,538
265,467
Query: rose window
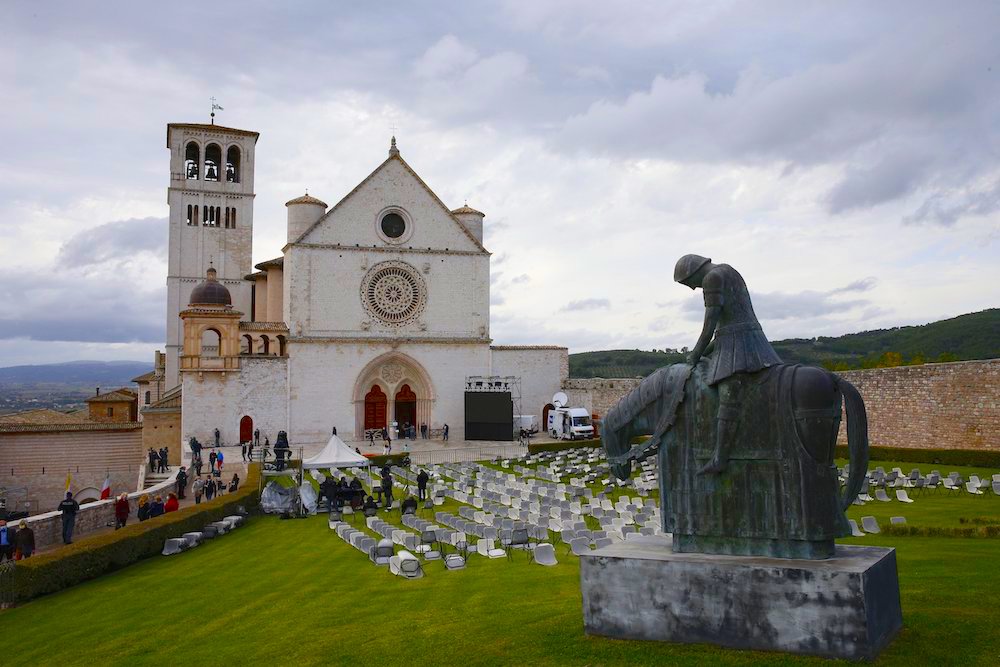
x,y
393,293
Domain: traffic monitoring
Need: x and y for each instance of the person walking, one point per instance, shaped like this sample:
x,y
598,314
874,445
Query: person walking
x,y
7,535
267,447
209,489
172,503
198,488
24,541
122,510
243,448
156,508
250,451
69,508
182,480
212,457
444,433
143,512
153,460
423,430
166,458
219,460
161,461
256,436
422,478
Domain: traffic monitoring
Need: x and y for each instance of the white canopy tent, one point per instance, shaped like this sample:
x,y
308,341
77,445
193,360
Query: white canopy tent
x,y
336,454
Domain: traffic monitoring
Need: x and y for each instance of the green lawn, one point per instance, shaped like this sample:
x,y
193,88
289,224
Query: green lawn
x,y
291,592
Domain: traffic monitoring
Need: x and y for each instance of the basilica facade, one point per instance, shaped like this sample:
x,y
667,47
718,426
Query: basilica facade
x,y
376,311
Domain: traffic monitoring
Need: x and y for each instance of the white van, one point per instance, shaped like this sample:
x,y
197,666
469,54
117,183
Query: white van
x,y
570,424
527,422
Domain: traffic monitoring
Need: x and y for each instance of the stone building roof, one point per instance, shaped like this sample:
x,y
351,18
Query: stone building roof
x,y
116,396
210,292
528,347
467,209
79,426
145,377
256,275
279,327
207,127
306,199
170,401
39,416
277,262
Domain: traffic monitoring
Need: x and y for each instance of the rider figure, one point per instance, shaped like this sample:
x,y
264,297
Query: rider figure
x,y
739,346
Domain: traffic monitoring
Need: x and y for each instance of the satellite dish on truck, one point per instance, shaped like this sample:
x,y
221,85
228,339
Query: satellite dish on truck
x,y
560,399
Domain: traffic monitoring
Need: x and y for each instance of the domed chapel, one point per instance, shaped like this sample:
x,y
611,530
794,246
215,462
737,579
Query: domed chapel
x,y
376,311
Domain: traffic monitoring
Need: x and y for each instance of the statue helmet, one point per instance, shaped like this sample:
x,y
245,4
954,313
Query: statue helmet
x,y
688,265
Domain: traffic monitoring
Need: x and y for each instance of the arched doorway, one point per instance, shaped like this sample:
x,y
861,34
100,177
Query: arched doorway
x,y
544,426
375,408
406,406
246,429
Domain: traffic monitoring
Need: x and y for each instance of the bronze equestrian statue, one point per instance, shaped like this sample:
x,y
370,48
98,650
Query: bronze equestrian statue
x,y
745,443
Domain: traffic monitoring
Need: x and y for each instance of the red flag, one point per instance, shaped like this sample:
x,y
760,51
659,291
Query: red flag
x,y
106,488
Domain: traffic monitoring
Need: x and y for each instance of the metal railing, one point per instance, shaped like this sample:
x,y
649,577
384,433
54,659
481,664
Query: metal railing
x,y
467,454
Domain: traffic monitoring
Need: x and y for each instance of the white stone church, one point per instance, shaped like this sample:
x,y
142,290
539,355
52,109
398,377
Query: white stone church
x,y
376,311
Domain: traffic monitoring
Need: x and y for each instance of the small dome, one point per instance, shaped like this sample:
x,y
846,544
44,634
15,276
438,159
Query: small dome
x,y
306,199
210,292
467,209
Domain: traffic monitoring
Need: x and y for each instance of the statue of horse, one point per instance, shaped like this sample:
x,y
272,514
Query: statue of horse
x,y
779,493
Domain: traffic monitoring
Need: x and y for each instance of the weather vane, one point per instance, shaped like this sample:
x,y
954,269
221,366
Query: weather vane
x,y
215,107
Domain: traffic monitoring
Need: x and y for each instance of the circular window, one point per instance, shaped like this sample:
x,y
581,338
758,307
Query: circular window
x,y
393,293
393,225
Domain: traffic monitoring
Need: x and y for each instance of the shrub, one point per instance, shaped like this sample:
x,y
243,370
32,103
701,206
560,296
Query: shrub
x,y
972,458
989,532
91,557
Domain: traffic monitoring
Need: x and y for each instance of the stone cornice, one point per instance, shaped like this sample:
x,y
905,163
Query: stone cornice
x,y
393,342
389,249
206,191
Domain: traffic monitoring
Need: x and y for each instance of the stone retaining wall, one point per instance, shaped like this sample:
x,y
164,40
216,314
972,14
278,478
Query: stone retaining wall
x,y
931,406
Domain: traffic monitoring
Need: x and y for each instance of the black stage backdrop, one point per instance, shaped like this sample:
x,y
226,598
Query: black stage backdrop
x,y
489,415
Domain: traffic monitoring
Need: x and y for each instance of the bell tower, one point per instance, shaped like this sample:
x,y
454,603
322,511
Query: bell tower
x,y
210,196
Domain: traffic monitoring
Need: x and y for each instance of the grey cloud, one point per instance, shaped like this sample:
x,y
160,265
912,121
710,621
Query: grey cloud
x,y
587,304
947,208
802,305
521,279
115,241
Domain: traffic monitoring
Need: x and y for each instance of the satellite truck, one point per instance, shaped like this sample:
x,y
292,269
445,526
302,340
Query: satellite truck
x,y
568,423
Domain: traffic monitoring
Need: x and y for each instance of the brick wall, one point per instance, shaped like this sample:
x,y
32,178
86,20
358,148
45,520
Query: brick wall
x,y
39,462
949,406
952,406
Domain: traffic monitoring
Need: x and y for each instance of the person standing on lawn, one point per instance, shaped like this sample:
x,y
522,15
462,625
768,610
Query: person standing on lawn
x,y
69,508
422,478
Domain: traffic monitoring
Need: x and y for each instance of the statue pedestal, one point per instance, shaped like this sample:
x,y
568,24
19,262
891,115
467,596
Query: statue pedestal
x,y
843,607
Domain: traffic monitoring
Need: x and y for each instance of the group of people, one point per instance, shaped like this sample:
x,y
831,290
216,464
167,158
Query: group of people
x,y
16,543
210,487
407,431
340,492
158,460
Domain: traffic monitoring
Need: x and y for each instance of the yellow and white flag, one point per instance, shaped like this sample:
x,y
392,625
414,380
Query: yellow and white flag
x,y
69,479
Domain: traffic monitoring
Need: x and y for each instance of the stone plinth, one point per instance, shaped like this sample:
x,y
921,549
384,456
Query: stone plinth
x,y
843,607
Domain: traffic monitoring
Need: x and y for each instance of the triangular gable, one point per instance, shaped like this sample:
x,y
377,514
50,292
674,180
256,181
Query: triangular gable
x,y
302,238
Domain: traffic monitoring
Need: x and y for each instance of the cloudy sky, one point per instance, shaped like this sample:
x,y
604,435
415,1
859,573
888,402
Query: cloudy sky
x,y
842,156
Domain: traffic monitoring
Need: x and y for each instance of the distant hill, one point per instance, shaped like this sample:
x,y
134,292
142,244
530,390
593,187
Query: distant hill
x,y
972,336
77,373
